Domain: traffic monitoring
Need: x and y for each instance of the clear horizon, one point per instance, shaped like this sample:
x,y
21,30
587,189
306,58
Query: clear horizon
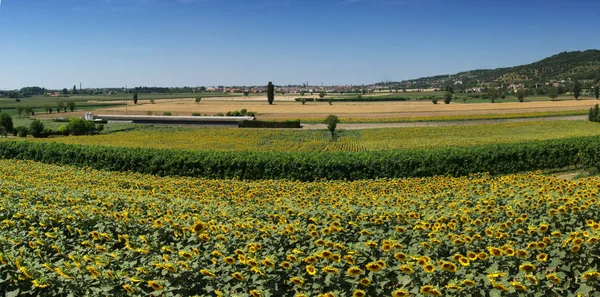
x,y
175,43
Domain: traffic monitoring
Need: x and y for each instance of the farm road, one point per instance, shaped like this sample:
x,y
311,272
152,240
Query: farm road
x,y
360,126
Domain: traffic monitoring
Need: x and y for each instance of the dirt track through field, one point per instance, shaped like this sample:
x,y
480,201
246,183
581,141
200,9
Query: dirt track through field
x,y
353,126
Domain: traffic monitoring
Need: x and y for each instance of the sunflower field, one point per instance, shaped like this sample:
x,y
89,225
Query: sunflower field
x,y
67,231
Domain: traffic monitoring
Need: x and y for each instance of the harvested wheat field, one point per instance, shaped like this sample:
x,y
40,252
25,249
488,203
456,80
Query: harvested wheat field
x,y
286,108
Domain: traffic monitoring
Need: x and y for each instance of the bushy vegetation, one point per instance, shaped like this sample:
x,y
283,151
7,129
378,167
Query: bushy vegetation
x,y
594,114
6,122
79,126
496,159
270,124
241,113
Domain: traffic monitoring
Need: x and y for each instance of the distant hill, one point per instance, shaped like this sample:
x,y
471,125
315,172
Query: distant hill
x,y
578,65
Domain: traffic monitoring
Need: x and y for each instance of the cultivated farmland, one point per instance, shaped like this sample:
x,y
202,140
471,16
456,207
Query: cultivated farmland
x,y
90,232
269,140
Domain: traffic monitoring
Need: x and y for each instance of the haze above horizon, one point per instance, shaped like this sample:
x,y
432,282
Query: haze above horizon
x,y
114,43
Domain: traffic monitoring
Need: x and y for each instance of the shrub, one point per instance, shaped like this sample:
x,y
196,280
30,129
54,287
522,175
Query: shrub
x,y
434,100
79,126
196,114
149,113
22,131
594,114
303,100
151,101
167,113
6,122
36,128
62,130
269,124
448,98
3,132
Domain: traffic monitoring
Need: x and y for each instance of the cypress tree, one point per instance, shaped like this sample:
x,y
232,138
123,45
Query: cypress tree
x,y
270,93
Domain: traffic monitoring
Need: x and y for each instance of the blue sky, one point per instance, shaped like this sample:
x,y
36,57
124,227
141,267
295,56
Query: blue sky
x,y
112,43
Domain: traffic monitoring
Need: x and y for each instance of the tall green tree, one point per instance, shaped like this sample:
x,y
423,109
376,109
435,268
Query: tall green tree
x,y
493,94
553,93
448,97
74,89
135,98
331,121
71,106
521,94
270,93
577,90
597,92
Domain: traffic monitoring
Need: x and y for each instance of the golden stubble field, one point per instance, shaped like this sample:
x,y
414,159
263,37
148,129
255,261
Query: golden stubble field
x,y
286,108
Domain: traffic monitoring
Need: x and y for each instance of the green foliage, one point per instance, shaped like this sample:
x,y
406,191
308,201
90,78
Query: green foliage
x,y
331,121
196,114
577,65
167,113
6,122
496,159
79,126
302,93
576,90
330,101
270,93
135,98
303,100
493,94
151,101
197,100
597,92
36,128
3,132
20,110
270,124
63,130
434,100
246,93
448,97
553,93
322,95
22,131
594,114
60,105
71,106
521,94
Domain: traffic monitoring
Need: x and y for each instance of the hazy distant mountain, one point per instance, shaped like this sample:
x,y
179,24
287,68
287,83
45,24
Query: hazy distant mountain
x,y
578,65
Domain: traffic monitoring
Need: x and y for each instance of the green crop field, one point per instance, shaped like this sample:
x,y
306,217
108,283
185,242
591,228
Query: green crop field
x,y
233,139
